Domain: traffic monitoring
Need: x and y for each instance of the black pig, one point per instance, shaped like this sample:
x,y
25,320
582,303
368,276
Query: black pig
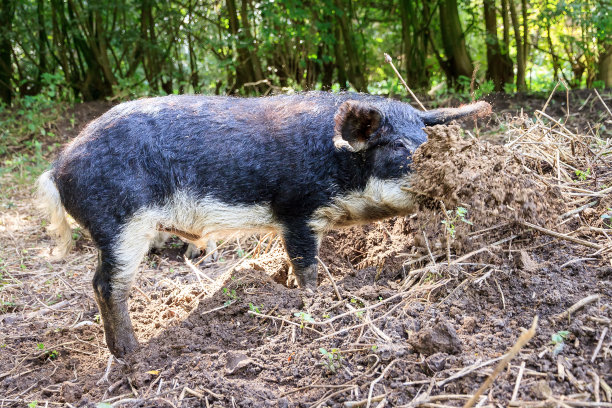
x,y
192,165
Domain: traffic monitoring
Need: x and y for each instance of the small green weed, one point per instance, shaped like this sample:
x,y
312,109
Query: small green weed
x,y
255,309
583,175
33,404
231,294
558,339
332,360
50,354
304,318
453,218
7,306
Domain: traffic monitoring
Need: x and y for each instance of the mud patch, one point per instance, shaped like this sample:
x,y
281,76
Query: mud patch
x,y
469,185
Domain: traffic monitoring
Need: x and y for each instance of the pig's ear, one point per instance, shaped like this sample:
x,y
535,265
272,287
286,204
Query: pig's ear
x,y
356,122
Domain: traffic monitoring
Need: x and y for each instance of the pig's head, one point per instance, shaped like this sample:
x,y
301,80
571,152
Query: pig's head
x,y
384,134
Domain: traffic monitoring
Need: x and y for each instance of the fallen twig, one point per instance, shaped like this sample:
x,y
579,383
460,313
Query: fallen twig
x,y
576,306
522,340
330,278
561,236
387,368
519,377
599,344
389,60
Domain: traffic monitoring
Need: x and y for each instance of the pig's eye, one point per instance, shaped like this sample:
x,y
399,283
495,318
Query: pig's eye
x,y
399,145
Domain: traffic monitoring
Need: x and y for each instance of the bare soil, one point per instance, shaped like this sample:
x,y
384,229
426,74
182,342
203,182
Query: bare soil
x,y
408,330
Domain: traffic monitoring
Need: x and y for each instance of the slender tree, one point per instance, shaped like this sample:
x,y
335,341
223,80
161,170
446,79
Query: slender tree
x,y
6,50
499,68
521,84
453,39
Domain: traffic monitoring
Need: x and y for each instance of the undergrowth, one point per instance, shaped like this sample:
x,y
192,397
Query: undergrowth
x,y
27,130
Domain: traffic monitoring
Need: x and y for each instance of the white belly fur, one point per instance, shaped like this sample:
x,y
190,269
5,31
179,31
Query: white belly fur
x,y
200,217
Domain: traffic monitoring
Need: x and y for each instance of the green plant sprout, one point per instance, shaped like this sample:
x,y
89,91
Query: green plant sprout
x,y
583,175
332,359
304,318
51,354
558,339
255,309
452,219
231,294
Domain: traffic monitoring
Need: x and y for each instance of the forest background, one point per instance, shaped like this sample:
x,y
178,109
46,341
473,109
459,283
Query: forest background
x,y
57,53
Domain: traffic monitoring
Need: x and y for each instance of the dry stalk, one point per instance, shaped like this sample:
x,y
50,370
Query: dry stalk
x,y
522,340
330,278
562,236
389,60
599,344
576,306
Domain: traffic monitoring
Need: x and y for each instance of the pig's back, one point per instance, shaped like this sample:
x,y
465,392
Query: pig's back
x,y
239,150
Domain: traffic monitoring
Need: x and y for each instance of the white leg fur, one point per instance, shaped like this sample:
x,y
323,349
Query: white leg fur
x,y
379,199
49,201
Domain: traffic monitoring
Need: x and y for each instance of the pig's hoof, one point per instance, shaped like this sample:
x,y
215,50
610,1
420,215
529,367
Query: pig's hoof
x,y
192,251
211,248
123,345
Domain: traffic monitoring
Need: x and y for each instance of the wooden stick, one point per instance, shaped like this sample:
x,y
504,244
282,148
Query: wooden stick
x,y
330,277
519,377
576,306
599,344
389,60
602,101
522,340
561,236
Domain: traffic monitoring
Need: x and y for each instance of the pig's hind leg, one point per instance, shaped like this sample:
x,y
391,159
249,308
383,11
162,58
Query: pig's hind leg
x,y
118,262
302,245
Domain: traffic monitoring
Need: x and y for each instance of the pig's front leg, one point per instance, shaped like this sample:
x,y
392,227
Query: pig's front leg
x,y
302,245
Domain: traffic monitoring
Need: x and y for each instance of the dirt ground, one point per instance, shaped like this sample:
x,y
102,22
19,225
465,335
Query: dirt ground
x,y
409,315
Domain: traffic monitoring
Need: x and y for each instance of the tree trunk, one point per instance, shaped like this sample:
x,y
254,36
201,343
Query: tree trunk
x,y
524,8
521,85
499,68
453,39
551,49
6,49
605,65
42,42
194,79
505,47
339,54
245,71
405,13
355,72
151,65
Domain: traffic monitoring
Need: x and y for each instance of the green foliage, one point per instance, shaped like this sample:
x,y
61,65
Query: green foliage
x,y
583,175
255,309
453,218
232,296
26,125
304,318
332,360
100,49
558,339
